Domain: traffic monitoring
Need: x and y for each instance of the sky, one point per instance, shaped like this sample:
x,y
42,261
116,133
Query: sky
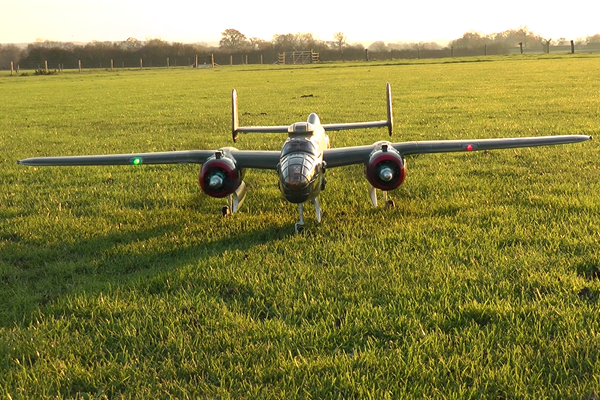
x,y
203,21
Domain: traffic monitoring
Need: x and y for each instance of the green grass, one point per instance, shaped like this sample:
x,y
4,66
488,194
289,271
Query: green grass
x,y
124,282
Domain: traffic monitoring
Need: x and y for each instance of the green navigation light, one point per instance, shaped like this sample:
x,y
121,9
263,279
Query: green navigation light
x,y
136,161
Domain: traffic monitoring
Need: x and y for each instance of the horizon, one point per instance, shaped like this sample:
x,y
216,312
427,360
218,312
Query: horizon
x,y
428,21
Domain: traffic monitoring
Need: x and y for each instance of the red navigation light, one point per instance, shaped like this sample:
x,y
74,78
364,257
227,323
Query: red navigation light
x,y
469,147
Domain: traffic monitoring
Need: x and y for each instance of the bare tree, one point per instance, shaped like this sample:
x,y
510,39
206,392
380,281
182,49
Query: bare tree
x,y
340,40
131,44
8,53
258,44
287,42
232,40
305,41
378,46
593,39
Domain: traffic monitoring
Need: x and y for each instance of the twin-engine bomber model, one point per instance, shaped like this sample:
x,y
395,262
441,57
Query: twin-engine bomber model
x,y
303,159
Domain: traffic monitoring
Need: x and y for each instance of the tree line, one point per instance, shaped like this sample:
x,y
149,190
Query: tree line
x,y
496,43
235,47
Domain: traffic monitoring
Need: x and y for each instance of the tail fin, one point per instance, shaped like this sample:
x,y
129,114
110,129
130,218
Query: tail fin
x,y
234,116
390,117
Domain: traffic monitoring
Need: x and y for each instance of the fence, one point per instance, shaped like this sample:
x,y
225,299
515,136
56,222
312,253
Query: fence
x,y
420,53
220,59
199,61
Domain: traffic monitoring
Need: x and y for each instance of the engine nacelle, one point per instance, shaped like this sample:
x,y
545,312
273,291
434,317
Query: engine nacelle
x,y
385,169
220,175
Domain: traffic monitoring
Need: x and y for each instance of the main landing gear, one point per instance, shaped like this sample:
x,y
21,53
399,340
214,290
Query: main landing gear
x,y
299,226
389,203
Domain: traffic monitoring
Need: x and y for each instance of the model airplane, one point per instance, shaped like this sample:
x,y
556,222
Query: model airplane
x,y
303,159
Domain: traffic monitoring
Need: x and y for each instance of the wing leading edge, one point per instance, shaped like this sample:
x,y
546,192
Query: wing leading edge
x,y
357,155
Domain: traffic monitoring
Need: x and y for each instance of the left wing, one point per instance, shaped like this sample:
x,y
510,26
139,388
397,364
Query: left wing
x,y
243,158
360,154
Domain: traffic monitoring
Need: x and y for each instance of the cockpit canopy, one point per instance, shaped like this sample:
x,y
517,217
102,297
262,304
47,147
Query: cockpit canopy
x,y
298,146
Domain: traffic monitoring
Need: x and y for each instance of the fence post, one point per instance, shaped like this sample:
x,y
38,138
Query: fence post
x,y
168,63
261,59
231,60
46,65
79,64
366,54
112,65
246,59
196,62
141,63
572,47
212,60
521,46
485,49
12,68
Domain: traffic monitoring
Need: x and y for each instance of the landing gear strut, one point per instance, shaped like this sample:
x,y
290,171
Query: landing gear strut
x,y
299,226
389,203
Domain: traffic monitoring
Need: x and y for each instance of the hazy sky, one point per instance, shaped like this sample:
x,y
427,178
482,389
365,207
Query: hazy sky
x,y
203,20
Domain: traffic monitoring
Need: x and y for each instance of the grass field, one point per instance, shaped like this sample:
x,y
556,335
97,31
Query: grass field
x,y
125,282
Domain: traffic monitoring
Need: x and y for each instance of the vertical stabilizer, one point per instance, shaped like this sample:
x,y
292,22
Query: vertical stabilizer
x,y
234,116
390,117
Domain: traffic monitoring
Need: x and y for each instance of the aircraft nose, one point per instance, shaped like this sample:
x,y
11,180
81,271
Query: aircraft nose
x,y
297,176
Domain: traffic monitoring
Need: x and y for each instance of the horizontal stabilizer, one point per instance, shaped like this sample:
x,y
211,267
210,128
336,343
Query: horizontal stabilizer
x,y
236,129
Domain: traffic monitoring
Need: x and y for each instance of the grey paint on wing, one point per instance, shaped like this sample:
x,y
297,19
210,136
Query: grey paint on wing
x,y
355,155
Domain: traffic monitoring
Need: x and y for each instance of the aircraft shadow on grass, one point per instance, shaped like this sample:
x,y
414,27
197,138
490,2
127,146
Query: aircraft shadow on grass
x,y
48,272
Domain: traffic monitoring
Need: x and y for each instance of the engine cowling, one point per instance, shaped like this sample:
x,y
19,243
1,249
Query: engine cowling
x,y
385,169
220,176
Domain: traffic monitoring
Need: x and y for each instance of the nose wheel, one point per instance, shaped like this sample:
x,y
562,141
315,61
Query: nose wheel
x,y
299,226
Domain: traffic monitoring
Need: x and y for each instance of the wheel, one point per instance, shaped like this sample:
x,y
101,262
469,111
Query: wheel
x,y
390,204
225,211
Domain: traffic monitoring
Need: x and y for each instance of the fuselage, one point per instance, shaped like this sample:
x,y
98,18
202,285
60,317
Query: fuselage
x,y
301,169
